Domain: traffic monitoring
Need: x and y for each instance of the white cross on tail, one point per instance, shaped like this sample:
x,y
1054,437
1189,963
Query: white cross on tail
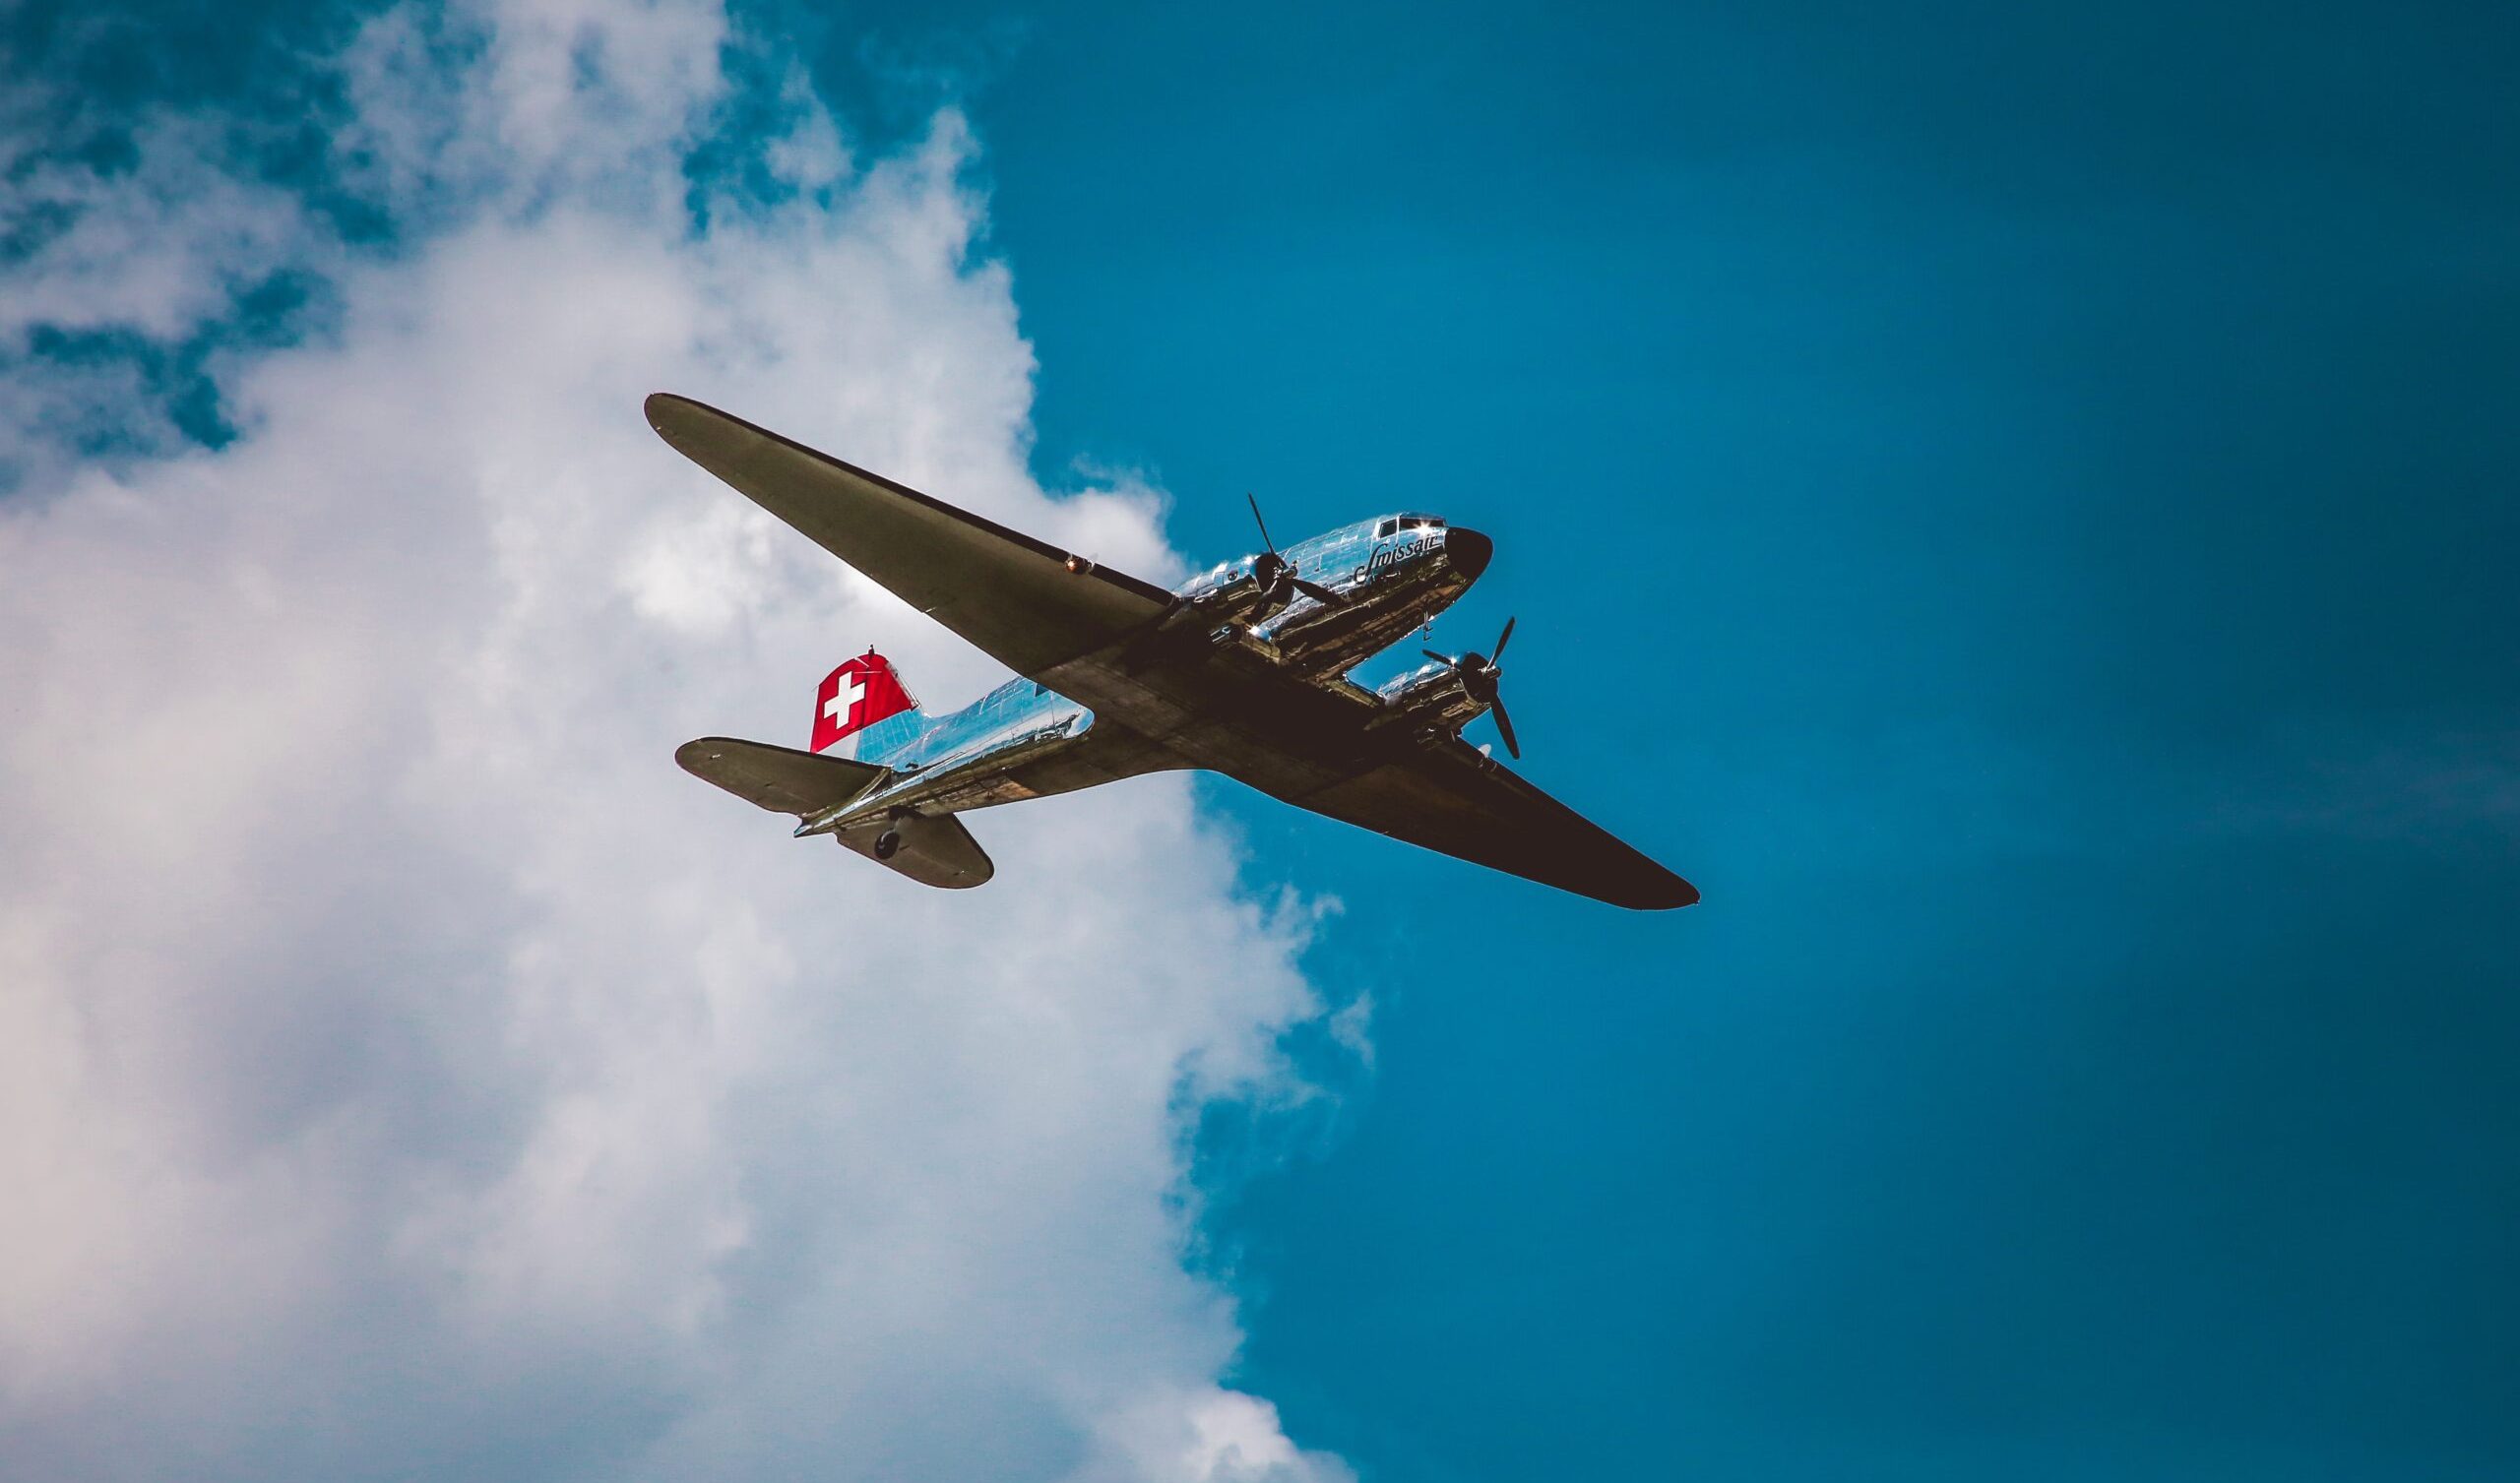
x,y
843,699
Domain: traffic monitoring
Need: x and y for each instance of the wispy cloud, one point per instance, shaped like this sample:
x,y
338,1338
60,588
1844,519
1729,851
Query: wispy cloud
x,y
403,1068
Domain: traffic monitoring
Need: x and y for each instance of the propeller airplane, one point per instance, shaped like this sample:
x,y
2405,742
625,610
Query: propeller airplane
x,y
1241,670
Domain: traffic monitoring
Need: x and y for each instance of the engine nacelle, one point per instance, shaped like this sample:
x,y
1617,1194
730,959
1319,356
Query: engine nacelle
x,y
1233,593
1430,696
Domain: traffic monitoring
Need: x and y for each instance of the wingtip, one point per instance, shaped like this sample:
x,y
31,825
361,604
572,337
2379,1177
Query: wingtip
x,y
1670,895
692,755
661,405
680,419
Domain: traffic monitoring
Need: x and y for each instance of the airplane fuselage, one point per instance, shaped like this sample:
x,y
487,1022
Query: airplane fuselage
x,y
1390,577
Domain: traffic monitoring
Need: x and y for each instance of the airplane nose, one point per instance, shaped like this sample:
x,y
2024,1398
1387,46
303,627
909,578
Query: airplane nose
x,y
1467,551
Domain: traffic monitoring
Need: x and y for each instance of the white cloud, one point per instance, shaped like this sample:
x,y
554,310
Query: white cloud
x,y
403,1068
155,248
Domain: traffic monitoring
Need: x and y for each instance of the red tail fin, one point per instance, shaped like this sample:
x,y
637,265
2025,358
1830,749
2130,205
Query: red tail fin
x,y
856,696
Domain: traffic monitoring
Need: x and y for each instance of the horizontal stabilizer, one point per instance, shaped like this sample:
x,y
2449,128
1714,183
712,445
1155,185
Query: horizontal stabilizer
x,y
782,779
935,849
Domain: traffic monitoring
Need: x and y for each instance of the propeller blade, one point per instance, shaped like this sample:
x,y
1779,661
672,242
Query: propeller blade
x,y
1318,594
1504,725
1499,653
1446,661
1264,541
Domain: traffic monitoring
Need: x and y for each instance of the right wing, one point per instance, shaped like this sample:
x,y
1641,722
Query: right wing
x,y
1017,599
1451,799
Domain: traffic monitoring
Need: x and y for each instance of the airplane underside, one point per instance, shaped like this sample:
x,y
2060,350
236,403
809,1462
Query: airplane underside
x,y
1089,748
1241,671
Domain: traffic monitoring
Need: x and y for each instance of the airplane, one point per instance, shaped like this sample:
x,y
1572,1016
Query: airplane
x,y
1241,670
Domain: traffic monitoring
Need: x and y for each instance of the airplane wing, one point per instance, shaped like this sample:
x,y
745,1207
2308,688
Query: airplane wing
x,y
1453,800
1011,595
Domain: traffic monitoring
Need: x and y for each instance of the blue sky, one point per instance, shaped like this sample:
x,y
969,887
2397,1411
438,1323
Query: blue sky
x,y
2017,506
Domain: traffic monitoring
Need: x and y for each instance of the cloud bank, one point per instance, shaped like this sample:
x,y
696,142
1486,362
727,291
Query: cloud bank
x,y
403,1070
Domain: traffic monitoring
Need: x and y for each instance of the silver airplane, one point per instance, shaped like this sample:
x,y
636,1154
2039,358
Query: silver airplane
x,y
1242,671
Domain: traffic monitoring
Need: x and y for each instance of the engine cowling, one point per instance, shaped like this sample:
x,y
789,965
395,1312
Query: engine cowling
x,y
1238,593
1431,697
1479,677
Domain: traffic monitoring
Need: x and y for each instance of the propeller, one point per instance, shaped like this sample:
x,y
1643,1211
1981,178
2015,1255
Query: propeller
x,y
1270,569
1480,675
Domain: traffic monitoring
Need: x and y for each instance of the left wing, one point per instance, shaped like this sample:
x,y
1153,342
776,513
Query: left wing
x,y
1018,600
1451,799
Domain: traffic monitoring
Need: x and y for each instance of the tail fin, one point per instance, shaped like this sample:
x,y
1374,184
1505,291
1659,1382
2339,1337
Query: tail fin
x,y
863,710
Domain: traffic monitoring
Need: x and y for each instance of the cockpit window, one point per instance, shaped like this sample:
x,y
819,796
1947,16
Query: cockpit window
x,y
1385,528
1400,523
